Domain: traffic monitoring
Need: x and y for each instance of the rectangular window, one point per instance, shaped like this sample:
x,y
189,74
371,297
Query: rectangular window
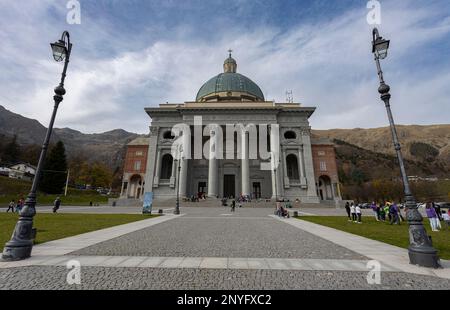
x,y
321,153
137,165
139,153
323,166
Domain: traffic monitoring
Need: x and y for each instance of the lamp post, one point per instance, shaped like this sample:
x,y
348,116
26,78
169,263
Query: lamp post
x,y
21,243
177,206
420,250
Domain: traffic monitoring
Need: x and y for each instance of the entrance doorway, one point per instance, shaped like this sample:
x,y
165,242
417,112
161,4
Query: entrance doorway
x,y
256,190
229,185
201,187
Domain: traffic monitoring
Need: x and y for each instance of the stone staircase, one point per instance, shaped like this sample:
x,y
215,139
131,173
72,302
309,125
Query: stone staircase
x,y
213,202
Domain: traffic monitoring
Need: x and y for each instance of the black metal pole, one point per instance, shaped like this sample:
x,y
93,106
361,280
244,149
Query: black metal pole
x,y
276,185
21,243
420,250
177,207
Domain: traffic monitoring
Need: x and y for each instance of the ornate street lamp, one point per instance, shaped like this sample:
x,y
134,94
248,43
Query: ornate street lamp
x,y
21,243
177,206
177,161
420,250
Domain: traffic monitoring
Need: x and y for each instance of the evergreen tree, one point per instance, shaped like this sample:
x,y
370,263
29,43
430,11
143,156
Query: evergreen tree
x,y
55,169
11,152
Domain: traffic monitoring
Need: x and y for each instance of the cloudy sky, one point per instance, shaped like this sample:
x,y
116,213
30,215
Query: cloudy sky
x,y
132,54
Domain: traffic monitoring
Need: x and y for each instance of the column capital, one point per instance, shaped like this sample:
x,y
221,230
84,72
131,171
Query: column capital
x,y
305,131
154,130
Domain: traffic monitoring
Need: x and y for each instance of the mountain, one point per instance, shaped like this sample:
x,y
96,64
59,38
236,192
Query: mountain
x,y
425,147
108,147
361,153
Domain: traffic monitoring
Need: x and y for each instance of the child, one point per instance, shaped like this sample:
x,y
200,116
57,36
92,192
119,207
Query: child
x,y
358,213
353,212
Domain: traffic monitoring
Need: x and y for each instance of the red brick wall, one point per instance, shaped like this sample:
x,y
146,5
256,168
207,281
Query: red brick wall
x,y
131,157
327,155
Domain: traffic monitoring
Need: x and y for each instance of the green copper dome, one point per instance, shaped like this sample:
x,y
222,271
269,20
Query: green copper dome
x,y
230,86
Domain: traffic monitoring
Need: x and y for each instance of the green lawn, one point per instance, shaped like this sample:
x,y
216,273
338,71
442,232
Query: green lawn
x,y
391,234
57,226
12,189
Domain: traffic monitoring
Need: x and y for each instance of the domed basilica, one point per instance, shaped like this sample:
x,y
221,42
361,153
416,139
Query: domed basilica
x,y
231,142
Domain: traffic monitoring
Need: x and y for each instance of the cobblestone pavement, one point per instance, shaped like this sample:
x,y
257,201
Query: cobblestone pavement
x,y
218,233
215,232
54,278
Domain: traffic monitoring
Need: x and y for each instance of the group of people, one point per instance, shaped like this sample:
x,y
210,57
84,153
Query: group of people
x,y
387,211
353,212
16,207
392,213
281,211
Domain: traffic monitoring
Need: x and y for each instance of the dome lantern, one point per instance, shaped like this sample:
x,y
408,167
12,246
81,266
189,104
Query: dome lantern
x,y
229,65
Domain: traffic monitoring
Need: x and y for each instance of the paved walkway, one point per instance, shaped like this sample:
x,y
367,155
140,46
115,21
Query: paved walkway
x,y
216,249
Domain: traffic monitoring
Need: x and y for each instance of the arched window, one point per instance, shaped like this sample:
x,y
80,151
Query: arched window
x,y
292,167
166,167
168,135
290,135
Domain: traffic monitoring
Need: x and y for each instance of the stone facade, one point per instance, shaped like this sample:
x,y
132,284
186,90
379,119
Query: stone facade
x,y
231,142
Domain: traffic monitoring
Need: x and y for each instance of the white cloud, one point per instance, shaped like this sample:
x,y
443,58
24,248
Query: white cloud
x,y
327,64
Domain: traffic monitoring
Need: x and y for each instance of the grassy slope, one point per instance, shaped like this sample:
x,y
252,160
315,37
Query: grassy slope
x,y
15,189
57,226
391,234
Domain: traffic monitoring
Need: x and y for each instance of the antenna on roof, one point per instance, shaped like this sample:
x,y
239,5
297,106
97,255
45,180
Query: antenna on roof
x,y
289,97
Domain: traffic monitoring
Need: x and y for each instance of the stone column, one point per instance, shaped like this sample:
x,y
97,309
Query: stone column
x,y
333,193
158,169
275,159
285,172
301,166
121,189
338,188
245,169
309,167
151,156
212,171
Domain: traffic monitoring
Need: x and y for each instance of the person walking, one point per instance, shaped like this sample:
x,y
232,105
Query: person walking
x,y
374,208
353,212
432,216
11,206
358,213
347,209
437,208
56,204
393,211
233,205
